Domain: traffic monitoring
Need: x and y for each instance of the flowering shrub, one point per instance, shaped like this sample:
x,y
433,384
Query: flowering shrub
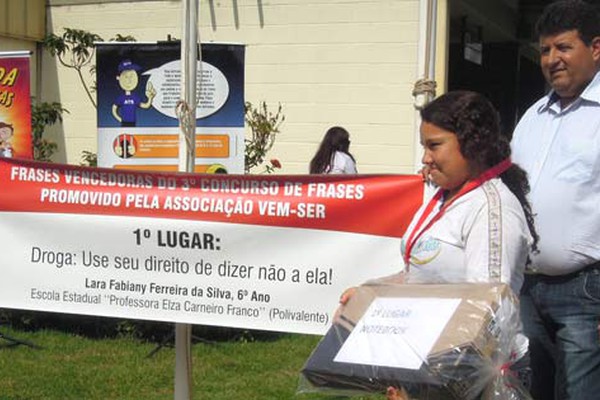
x,y
272,166
264,126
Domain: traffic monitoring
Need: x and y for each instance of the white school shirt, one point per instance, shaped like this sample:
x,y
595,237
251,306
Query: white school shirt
x,y
342,164
560,150
481,237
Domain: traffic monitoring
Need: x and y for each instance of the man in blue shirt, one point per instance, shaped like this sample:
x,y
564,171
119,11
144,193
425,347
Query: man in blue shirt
x,y
558,143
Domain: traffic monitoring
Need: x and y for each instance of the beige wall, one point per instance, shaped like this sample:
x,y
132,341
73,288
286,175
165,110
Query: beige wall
x,y
346,62
22,19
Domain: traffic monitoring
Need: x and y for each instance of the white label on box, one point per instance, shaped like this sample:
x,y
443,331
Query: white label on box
x,y
397,332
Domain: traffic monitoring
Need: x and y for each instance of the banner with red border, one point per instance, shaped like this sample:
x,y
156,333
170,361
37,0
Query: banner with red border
x,y
248,251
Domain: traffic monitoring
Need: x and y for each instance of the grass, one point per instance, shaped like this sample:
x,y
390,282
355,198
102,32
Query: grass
x,y
74,367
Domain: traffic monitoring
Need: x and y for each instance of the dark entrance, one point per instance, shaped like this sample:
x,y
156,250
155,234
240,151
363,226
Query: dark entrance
x,y
506,70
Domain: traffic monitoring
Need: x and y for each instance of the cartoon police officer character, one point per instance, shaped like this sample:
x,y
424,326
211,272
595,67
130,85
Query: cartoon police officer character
x,y
125,107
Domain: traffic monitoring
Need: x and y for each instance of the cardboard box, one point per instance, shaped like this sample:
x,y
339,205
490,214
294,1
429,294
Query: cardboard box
x,y
460,361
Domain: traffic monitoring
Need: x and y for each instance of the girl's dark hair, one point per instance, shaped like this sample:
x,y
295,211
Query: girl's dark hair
x,y
563,16
336,139
476,124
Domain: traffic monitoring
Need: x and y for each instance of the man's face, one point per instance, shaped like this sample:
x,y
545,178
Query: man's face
x,y
568,64
128,79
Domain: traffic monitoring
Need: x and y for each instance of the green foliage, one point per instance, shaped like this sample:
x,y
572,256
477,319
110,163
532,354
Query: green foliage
x,y
43,150
121,38
264,126
42,116
89,159
71,367
102,328
75,49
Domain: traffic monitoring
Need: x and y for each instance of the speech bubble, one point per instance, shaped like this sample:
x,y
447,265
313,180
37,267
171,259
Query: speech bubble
x,y
212,90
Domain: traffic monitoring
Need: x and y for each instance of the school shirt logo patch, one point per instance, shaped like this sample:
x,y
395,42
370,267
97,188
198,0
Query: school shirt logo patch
x,y
424,251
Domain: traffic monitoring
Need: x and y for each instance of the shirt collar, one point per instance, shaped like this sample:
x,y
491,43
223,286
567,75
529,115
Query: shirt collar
x,y
590,93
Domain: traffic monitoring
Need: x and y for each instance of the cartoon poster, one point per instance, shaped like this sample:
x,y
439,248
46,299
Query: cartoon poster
x,y
138,91
15,105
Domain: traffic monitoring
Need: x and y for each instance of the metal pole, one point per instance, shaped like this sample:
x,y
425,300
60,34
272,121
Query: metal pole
x,y
432,44
425,64
189,68
186,111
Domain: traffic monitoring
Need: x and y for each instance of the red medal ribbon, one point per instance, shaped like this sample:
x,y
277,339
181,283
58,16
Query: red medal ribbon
x,y
493,172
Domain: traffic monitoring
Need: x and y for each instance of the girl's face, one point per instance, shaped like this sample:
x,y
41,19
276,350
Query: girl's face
x,y
448,168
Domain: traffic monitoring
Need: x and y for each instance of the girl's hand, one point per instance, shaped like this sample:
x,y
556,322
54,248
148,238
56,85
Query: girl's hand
x,y
344,298
347,295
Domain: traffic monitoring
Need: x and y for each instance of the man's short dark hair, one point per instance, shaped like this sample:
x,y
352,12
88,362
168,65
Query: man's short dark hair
x,y
568,15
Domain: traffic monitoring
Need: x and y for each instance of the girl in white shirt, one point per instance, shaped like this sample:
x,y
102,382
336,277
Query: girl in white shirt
x,y
333,156
478,227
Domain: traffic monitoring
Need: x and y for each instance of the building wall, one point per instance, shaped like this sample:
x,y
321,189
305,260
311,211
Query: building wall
x,y
337,62
23,19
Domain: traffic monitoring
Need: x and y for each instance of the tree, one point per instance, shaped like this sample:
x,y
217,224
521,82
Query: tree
x,y
75,49
43,115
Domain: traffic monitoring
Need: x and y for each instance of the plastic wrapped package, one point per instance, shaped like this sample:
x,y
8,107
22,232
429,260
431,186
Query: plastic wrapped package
x,y
438,342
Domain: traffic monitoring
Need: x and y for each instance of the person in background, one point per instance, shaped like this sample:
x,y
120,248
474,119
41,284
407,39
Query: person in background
x,y
557,141
478,226
333,156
